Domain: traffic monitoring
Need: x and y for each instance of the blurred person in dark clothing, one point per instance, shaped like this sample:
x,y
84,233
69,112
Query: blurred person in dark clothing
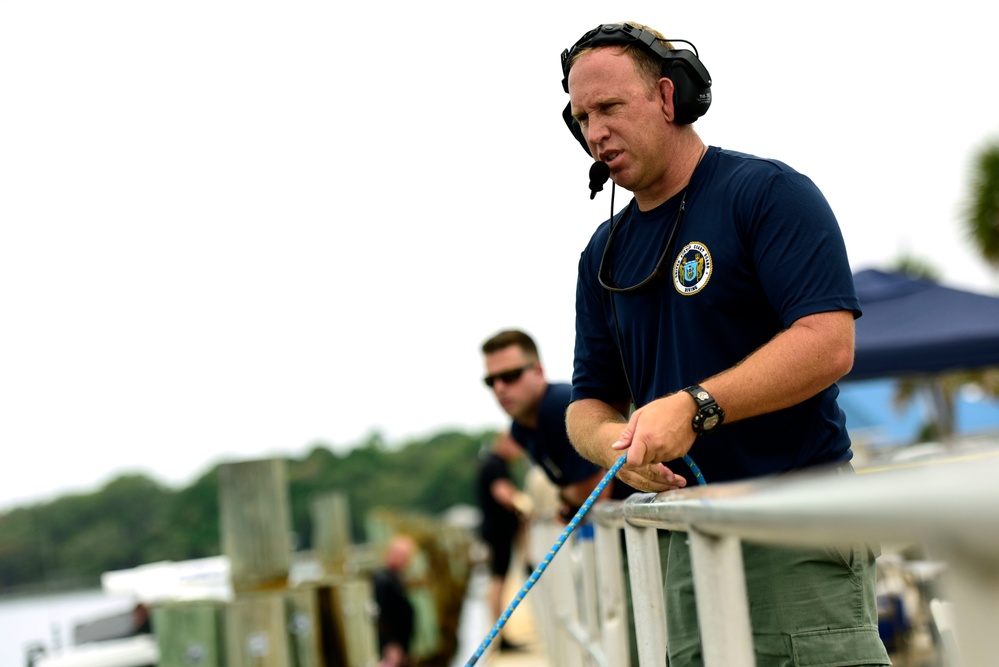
x,y
395,612
502,505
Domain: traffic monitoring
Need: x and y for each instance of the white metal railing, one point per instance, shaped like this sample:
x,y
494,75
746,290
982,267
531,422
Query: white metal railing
x,y
949,506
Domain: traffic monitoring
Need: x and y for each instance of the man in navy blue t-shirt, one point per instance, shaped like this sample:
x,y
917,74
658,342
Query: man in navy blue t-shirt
x,y
720,303
537,407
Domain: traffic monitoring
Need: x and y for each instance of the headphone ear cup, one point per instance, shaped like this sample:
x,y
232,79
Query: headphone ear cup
x,y
574,127
691,98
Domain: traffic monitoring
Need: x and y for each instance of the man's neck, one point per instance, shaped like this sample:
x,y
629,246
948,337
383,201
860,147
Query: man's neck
x,y
681,167
531,420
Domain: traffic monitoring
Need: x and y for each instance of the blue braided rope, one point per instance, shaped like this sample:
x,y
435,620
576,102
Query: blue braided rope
x,y
694,469
587,504
505,616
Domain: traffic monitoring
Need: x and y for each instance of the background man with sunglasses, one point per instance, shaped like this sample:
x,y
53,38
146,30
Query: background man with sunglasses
x,y
722,306
515,374
517,378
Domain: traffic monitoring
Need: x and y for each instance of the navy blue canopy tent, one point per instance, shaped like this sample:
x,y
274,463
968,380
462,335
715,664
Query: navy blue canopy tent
x,y
917,327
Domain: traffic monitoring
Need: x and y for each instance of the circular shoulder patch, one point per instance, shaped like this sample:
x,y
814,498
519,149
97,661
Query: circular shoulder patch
x,y
692,268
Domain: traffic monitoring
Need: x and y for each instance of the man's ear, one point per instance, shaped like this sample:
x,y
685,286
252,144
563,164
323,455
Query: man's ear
x,y
666,98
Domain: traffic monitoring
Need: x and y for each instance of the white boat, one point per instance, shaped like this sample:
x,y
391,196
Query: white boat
x,y
172,581
124,639
137,651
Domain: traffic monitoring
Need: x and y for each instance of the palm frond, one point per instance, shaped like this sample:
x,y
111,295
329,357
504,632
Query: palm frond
x,y
981,211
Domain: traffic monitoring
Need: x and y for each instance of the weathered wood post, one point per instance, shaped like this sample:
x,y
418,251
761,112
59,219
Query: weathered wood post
x,y
352,607
255,524
305,628
346,599
257,631
331,531
190,634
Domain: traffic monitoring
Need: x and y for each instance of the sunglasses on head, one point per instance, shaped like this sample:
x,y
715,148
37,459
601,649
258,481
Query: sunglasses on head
x,y
508,377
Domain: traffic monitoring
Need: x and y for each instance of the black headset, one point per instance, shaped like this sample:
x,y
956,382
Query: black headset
x,y
691,81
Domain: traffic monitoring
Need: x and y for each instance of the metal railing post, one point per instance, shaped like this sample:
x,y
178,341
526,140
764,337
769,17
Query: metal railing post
x,y
547,591
648,605
610,586
584,542
565,607
722,605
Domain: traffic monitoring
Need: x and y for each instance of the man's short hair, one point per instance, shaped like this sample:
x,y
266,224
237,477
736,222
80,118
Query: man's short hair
x,y
508,337
650,66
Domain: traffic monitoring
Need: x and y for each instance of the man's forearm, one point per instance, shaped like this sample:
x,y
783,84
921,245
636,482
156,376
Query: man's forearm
x,y
593,426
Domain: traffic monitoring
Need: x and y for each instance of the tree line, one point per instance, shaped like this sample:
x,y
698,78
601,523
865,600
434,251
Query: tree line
x,y
134,519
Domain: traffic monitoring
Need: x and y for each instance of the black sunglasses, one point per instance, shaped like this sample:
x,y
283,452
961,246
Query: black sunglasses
x,y
508,377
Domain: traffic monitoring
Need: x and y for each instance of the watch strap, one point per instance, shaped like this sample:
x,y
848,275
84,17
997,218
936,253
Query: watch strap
x,y
709,414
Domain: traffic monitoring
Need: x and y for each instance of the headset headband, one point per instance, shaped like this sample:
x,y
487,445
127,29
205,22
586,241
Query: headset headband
x,y
691,81
611,34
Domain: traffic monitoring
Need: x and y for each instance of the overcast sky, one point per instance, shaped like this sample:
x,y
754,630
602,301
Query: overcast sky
x,y
231,230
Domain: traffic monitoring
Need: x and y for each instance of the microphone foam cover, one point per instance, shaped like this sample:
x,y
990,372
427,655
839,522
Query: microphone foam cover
x,y
599,173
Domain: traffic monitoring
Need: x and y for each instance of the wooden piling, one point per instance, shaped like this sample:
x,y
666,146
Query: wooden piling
x,y
190,634
305,627
256,631
255,524
351,605
331,531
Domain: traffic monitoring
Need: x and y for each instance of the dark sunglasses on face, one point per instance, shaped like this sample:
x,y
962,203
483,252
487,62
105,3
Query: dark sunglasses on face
x,y
508,377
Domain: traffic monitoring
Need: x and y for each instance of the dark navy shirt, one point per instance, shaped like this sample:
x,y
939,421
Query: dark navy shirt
x,y
548,444
758,248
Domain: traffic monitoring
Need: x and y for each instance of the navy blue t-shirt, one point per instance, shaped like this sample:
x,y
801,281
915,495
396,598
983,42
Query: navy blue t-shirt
x,y
758,248
548,444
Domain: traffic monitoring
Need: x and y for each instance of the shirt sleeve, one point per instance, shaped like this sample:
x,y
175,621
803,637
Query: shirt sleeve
x,y
799,251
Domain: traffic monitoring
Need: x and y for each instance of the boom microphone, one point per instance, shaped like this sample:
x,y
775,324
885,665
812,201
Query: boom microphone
x,y
599,173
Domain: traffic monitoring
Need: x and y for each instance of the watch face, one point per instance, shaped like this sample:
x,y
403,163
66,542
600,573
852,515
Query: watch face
x,y
710,422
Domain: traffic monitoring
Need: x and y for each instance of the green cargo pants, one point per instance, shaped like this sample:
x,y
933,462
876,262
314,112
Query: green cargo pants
x,y
808,607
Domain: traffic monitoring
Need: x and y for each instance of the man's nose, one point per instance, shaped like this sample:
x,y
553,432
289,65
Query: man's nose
x,y
596,133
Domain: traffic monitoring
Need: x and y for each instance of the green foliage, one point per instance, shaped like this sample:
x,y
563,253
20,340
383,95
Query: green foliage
x,y
916,267
134,520
981,211
194,521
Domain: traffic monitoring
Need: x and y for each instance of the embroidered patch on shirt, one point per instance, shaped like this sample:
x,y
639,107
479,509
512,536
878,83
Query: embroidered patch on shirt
x,y
692,268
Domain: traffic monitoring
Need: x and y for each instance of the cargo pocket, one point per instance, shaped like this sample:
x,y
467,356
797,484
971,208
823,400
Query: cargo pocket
x,y
839,648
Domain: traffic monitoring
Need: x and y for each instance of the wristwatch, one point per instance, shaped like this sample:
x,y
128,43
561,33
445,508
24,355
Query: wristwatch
x,y
709,414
